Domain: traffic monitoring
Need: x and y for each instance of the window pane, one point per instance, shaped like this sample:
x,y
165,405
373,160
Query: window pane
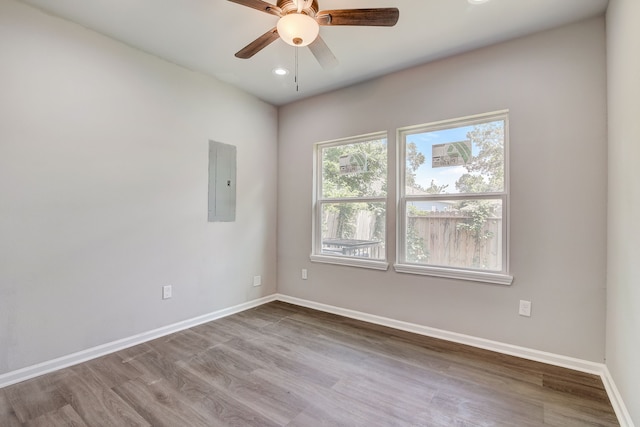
x,y
354,229
355,170
464,159
455,233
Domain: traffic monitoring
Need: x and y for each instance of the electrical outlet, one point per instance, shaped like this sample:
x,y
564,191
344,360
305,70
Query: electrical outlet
x,y
166,292
525,308
257,280
304,274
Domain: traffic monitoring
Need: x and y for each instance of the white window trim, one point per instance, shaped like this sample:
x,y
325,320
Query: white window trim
x,y
453,273
501,278
316,238
350,261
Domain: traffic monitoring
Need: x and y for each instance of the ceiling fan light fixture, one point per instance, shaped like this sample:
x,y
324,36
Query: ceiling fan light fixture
x,y
298,29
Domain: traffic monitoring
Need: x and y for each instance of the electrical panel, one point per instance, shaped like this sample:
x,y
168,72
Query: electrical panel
x,y
222,182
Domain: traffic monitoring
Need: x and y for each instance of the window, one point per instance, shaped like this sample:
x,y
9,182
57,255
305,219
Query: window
x,y
453,199
351,202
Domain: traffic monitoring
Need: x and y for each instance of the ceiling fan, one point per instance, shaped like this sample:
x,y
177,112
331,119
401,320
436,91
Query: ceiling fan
x,y
299,25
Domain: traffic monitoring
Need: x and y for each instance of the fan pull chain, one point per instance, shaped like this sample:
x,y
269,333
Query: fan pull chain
x,y
295,77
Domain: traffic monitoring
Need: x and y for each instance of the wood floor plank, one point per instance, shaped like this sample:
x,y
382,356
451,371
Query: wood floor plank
x,y
65,416
8,416
181,345
232,375
159,404
269,353
434,416
96,403
223,410
237,328
283,365
335,409
215,332
489,408
132,353
154,366
579,385
276,309
33,398
258,318
320,343
111,370
217,406
394,398
561,415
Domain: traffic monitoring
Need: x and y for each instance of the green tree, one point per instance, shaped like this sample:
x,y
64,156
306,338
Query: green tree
x,y
371,181
414,160
485,174
416,251
433,188
485,171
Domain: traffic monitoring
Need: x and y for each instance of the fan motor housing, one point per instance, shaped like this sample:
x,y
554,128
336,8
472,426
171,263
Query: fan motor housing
x,y
289,6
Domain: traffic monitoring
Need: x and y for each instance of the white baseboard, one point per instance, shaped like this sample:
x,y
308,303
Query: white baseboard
x,y
29,372
513,350
586,366
599,369
624,417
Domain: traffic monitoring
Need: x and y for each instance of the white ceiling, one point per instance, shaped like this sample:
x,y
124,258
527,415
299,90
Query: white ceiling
x,y
203,35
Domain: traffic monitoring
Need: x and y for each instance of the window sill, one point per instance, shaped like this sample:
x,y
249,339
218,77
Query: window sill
x,y
451,273
351,262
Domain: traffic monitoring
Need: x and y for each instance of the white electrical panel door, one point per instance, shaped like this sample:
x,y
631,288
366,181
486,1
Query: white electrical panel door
x,y
222,182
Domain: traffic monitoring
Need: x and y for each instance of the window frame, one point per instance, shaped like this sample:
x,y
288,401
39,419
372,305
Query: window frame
x,y
319,201
401,265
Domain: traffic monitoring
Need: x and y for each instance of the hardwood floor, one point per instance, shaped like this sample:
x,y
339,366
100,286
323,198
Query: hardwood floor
x,y
283,365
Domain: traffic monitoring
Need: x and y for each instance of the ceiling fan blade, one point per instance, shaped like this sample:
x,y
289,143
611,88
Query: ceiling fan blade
x,y
380,17
258,44
260,5
323,54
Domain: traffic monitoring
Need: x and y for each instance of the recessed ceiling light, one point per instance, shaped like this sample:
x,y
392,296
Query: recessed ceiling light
x,y
280,71
477,1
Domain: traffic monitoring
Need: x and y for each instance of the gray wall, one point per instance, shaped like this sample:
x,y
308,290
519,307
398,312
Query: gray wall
x,y
103,191
554,84
623,281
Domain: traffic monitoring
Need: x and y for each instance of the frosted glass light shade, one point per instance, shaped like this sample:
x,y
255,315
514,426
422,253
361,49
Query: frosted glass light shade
x,y
298,29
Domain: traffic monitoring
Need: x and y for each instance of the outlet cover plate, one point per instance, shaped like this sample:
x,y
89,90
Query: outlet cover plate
x,y
525,308
166,292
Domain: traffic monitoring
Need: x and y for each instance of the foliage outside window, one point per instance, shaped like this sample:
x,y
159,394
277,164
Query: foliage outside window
x,y
453,200
351,201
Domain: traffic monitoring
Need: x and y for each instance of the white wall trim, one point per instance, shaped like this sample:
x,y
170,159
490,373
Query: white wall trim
x,y
624,417
599,369
29,372
453,273
350,261
513,350
589,367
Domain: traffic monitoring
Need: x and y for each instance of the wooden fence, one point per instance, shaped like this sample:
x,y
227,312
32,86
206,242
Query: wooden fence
x,y
443,241
447,244
360,242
